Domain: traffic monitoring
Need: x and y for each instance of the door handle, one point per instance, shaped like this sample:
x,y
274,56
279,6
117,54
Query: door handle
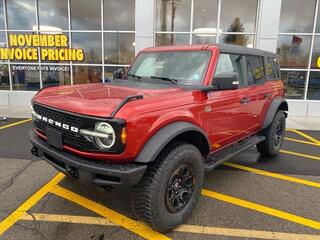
x,y
245,100
267,95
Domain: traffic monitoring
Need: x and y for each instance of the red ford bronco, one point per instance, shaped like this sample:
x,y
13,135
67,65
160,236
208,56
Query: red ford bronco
x,y
177,112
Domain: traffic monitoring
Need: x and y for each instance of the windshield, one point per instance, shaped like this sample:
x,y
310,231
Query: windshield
x,y
184,67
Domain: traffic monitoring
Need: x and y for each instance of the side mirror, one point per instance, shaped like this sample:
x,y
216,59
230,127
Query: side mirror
x,y
226,81
119,74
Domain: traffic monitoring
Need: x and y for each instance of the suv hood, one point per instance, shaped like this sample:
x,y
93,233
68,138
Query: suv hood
x,y
94,99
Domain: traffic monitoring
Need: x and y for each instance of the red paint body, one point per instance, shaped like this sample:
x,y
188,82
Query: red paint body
x,y
228,121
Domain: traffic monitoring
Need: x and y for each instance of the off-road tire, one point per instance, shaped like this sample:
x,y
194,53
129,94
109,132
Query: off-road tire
x,y
268,147
149,195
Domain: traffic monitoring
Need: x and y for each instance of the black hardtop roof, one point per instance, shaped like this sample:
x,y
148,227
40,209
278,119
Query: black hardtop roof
x,y
229,48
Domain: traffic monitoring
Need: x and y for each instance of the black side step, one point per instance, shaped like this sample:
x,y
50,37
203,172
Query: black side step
x,y
216,159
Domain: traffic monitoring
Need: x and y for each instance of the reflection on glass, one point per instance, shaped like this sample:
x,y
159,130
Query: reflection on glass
x,y
238,17
205,14
3,40
163,39
297,16
237,39
91,45
86,14
109,71
203,39
87,74
53,13
119,15
293,51
314,86
315,63
294,82
4,77
173,15
1,15
21,14
119,48
54,75
25,77
15,60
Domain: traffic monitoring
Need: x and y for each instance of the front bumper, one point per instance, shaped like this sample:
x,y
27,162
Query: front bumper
x,y
100,173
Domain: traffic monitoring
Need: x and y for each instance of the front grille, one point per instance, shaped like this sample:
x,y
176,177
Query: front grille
x,y
69,137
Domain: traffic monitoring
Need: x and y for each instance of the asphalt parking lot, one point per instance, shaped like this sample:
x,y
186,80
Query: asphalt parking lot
x,y
249,197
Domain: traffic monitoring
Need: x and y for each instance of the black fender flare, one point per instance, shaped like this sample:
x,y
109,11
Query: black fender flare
x,y
277,103
163,136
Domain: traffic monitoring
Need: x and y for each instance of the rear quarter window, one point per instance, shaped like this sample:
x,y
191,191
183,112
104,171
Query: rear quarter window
x,y
272,68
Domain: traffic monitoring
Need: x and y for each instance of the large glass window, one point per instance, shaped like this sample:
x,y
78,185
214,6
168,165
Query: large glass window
x,y
21,14
87,74
53,14
1,16
294,82
163,39
173,15
237,39
4,77
53,75
314,86
239,17
86,15
297,16
119,15
25,77
205,16
91,45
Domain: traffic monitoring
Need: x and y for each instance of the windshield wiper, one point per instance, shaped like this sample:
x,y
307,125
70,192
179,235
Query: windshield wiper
x,y
136,77
174,81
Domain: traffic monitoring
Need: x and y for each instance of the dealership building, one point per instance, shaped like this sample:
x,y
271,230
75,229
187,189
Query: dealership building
x,y
63,42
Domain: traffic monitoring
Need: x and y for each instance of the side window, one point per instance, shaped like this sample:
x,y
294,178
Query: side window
x,y
255,70
230,63
272,68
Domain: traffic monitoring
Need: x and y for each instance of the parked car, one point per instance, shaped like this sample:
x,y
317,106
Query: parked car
x,y
178,112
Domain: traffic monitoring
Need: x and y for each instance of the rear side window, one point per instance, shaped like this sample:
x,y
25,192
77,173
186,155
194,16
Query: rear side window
x,y
255,70
272,68
230,63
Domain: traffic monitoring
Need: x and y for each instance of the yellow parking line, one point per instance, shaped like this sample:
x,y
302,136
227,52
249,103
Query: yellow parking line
x,y
117,218
230,232
273,175
301,141
300,155
263,209
16,123
29,203
312,139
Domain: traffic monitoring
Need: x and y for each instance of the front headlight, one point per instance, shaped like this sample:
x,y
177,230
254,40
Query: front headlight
x,y
110,136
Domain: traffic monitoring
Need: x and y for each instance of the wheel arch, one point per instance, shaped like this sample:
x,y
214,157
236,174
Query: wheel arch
x,y
178,131
276,105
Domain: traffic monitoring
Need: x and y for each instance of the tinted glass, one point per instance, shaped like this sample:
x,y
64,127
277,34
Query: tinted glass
x,y
314,86
294,82
91,44
173,16
87,74
205,16
86,14
4,77
1,15
119,15
236,39
119,48
294,51
164,39
53,75
228,64
255,68
187,67
53,14
21,14
272,68
297,16
25,77
238,17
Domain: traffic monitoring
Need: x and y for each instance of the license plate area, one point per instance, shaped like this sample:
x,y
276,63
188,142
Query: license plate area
x,y
54,138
